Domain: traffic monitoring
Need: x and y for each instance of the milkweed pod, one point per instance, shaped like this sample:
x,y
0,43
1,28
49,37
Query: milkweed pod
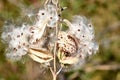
x,y
38,59
55,2
41,56
67,42
67,59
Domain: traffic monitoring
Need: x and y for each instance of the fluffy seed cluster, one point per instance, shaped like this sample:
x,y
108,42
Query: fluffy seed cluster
x,y
17,41
73,45
21,38
48,14
77,43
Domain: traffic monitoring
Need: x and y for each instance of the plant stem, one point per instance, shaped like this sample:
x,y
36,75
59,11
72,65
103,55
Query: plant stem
x,y
55,58
54,63
54,70
55,77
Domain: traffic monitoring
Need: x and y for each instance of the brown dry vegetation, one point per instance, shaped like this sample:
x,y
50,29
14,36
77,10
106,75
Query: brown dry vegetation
x,y
105,16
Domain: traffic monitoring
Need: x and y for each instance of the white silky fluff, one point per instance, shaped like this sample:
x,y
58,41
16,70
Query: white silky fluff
x,y
82,28
20,38
83,31
50,14
17,42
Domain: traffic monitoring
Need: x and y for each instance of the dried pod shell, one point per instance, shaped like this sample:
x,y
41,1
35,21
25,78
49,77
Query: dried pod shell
x,y
67,59
41,56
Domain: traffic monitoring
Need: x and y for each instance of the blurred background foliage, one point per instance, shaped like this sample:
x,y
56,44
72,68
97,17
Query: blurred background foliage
x,y
105,16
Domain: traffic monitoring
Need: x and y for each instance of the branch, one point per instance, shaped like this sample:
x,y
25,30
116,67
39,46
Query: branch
x,y
103,67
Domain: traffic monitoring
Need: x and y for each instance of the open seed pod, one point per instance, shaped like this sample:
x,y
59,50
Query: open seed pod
x,y
67,42
67,48
77,43
40,55
83,30
66,59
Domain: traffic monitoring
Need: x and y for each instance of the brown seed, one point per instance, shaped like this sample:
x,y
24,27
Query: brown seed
x,y
14,49
90,50
51,17
24,44
21,33
37,40
89,25
64,45
32,32
78,29
67,54
61,37
80,56
59,15
50,27
19,46
34,42
42,13
8,35
18,35
68,36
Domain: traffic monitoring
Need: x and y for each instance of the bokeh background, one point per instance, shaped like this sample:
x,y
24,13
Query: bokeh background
x,y
105,16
